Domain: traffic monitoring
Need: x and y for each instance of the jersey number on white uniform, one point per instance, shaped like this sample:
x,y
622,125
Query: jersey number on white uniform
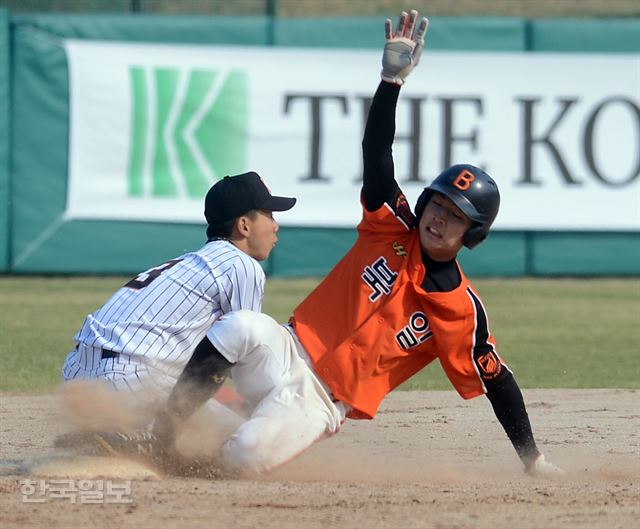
x,y
145,278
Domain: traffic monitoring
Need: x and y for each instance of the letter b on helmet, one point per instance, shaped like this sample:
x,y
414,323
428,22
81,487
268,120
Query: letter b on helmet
x,y
473,191
464,179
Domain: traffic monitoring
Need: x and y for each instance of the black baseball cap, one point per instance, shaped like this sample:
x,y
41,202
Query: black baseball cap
x,y
234,196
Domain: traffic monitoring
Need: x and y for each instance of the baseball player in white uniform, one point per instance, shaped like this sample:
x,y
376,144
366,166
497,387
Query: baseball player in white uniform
x,y
143,338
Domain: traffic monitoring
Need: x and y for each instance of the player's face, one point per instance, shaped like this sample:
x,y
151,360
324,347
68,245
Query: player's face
x,y
262,234
442,227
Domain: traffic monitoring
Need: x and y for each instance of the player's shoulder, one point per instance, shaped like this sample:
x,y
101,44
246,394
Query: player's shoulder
x,y
468,284
393,216
470,290
225,256
402,210
218,250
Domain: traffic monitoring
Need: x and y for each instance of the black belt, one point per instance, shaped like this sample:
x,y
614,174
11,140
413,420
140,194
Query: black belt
x,y
109,354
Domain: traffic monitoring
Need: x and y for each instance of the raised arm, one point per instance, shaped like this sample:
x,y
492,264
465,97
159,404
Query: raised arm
x,y
401,54
378,179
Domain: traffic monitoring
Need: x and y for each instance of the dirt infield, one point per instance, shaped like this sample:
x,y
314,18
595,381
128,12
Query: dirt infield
x,y
428,460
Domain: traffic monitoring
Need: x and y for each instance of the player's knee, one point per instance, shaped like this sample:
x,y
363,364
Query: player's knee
x,y
242,453
253,327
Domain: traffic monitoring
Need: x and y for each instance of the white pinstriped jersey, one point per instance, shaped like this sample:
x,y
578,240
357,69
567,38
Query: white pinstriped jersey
x,y
154,322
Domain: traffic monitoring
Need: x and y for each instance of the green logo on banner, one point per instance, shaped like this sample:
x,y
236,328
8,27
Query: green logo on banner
x,y
188,130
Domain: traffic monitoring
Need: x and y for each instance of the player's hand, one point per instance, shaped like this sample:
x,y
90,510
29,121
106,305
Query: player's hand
x,y
540,467
403,47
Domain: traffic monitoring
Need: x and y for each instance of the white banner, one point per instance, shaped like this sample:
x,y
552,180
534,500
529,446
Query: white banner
x,y
153,126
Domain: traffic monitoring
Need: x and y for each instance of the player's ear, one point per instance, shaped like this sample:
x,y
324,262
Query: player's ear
x,y
242,226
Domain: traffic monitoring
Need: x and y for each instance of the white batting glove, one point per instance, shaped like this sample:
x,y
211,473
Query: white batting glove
x,y
403,48
540,467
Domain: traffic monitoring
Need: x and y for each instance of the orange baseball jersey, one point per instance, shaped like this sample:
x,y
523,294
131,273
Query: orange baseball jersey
x,y
369,326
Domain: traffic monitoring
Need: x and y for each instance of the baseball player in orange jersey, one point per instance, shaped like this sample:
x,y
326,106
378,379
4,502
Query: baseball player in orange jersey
x,y
396,302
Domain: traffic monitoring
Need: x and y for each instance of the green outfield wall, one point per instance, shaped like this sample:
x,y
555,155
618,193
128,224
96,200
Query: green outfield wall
x,y
36,238
4,140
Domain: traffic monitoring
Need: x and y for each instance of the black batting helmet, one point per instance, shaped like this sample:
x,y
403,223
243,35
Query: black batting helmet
x,y
473,191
